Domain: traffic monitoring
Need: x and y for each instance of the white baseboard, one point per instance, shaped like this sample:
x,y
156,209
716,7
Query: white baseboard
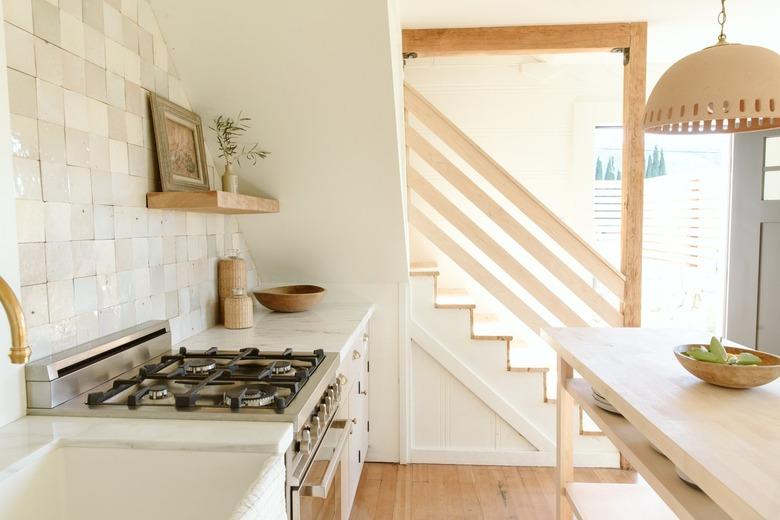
x,y
510,458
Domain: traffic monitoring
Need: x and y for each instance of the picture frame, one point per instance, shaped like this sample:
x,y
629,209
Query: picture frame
x,y
181,153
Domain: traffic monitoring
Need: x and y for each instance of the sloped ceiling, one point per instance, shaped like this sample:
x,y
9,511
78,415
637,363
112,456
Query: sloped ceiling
x,y
317,80
676,27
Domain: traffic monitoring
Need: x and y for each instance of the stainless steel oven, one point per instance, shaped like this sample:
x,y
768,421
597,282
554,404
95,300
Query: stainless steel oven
x,y
316,486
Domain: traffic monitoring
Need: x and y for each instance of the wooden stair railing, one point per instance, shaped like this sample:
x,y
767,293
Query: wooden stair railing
x,y
493,250
552,262
497,176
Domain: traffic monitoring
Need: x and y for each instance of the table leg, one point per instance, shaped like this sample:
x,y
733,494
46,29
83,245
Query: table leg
x,y
565,440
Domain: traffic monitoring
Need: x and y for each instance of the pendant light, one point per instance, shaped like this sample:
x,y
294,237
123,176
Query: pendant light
x,y
725,88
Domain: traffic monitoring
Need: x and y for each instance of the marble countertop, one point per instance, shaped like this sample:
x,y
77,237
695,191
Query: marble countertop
x,y
330,326
31,434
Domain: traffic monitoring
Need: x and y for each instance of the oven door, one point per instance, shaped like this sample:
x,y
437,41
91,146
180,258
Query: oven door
x,y
319,494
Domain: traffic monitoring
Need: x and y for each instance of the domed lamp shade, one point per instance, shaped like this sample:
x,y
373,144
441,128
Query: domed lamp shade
x,y
725,88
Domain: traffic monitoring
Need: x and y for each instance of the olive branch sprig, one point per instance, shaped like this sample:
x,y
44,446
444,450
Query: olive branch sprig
x,y
228,131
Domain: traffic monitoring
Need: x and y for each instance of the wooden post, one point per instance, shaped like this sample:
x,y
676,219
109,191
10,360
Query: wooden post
x,y
634,95
564,441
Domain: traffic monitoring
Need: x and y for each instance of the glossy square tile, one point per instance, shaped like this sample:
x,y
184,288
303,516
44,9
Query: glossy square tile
x,y
19,13
50,102
94,46
85,294
143,309
146,18
32,263
140,253
160,51
27,178
104,221
133,67
98,117
60,295
87,326
169,275
141,283
115,88
83,258
24,137
105,257
115,57
30,221
82,222
117,129
46,21
155,251
147,75
161,82
73,73
92,13
35,303
118,154
171,304
181,249
21,94
138,161
76,112
154,220
54,181
80,181
107,290
96,82
48,62
59,261
130,35
20,49
109,320
135,129
72,34
123,248
101,187
146,46
77,149
158,305
127,314
124,286
51,142
58,215
98,153
169,250
112,23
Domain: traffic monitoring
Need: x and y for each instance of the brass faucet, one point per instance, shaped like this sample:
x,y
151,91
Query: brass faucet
x,y
20,352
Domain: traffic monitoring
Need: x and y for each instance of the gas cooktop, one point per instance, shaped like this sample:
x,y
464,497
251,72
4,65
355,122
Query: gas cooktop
x,y
247,378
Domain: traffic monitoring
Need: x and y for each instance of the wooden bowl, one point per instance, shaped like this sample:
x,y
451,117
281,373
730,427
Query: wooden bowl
x,y
290,298
732,376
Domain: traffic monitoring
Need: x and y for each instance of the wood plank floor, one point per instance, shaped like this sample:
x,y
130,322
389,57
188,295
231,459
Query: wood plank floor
x,y
417,491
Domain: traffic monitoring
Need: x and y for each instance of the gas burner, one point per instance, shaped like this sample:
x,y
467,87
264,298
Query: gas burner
x,y
281,367
158,392
200,366
251,395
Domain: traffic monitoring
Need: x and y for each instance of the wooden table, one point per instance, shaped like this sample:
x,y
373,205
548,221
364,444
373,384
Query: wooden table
x,y
727,441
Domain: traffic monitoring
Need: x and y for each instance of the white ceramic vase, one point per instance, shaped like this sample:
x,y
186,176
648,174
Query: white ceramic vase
x,y
229,179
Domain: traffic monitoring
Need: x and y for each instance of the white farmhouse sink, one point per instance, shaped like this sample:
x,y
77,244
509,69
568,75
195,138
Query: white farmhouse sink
x,y
92,483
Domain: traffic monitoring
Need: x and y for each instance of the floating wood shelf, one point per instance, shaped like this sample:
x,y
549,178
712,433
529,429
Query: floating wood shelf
x,y
211,202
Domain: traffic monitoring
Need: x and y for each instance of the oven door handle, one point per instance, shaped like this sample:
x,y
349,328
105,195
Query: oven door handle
x,y
322,489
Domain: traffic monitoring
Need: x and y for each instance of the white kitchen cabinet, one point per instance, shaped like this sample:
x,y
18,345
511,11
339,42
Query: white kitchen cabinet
x,y
355,409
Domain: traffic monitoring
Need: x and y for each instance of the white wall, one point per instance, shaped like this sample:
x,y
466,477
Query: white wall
x,y
11,376
321,81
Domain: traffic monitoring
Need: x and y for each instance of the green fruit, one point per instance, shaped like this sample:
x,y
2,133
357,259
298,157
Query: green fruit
x,y
716,347
709,357
746,358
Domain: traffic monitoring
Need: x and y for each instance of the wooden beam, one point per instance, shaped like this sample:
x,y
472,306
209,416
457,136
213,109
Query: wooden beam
x,y
533,39
634,96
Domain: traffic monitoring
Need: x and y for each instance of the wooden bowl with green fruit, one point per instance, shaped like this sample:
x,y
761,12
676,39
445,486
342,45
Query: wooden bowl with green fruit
x,y
730,367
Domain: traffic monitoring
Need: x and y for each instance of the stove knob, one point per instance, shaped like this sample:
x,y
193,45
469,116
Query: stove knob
x,y
332,394
329,403
323,413
305,440
337,391
315,427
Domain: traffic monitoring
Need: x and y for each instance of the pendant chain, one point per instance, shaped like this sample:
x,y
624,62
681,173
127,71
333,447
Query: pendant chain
x,y
722,21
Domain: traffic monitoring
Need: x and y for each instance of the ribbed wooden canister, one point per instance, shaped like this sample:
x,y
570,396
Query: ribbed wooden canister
x,y
238,310
231,274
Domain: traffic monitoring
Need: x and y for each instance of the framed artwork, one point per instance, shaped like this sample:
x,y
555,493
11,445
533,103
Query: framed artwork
x,y
181,154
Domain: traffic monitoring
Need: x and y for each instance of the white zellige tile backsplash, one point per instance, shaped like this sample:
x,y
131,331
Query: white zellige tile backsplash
x,y
93,258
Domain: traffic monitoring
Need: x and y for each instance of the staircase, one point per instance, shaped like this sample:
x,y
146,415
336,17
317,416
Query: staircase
x,y
505,243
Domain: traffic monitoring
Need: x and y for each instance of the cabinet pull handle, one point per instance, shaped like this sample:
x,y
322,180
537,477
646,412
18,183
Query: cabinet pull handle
x,y
365,338
355,354
364,392
354,420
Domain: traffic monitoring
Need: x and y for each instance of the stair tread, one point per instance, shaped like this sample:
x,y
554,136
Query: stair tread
x,y
490,327
454,298
424,269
